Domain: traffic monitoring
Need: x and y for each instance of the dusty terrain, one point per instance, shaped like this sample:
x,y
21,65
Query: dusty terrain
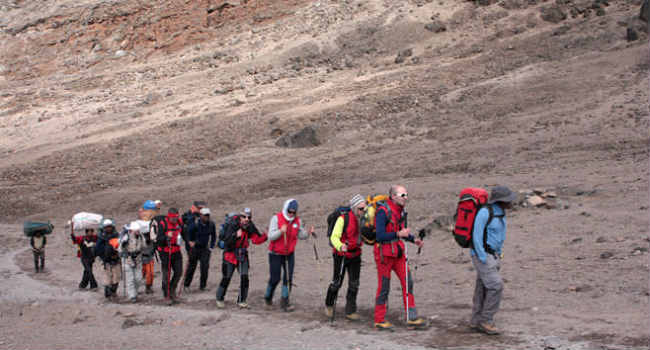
x,y
104,104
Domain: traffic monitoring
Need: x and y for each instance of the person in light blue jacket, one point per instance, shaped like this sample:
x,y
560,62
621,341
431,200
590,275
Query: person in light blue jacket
x,y
488,235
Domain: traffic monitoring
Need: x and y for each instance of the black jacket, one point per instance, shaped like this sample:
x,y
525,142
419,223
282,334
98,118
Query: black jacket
x,y
202,234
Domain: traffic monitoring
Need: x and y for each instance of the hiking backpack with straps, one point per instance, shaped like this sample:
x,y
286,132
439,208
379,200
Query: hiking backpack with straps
x,y
157,225
368,229
471,200
228,220
333,217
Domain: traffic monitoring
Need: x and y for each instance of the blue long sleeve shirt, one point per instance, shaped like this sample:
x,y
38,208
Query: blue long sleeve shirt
x,y
496,231
380,227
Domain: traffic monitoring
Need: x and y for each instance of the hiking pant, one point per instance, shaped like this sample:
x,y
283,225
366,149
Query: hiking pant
x,y
147,273
488,290
202,255
227,269
113,274
384,269
88,277
39,256
132,275
277,264
353,267
176,265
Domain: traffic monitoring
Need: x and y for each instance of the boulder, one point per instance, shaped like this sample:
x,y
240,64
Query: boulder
x,y
553,14
307,137
535,201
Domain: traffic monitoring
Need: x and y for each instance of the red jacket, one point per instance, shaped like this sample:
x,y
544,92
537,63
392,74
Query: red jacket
x,y
393,248
242,242
279,246
351,238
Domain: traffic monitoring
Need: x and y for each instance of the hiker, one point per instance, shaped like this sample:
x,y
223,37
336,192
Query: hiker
x,y
390,255
149,210
188,219
237,232
38,242
202,236
285,228
106,249
486,257
86,252
346,253
169,243
130,248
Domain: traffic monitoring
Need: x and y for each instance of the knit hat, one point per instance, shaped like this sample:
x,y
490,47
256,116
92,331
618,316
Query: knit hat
x,y
293,205
356,201
149,205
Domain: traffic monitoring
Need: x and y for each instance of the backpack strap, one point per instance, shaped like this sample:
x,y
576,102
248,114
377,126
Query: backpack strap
x,y
485,230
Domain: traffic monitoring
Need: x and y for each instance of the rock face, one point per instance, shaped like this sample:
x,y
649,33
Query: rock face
x,y
307,137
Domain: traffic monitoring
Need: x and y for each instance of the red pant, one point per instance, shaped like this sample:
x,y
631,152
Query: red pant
x,y
147,273
384,267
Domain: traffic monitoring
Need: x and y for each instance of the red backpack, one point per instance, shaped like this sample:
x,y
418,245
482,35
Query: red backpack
x,y
471,200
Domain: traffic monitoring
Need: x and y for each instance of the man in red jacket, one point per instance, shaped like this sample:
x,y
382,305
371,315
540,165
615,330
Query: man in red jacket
x,y
346,243
238,231
390,255
169,249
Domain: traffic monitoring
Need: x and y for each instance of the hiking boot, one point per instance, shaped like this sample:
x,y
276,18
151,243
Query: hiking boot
x,y
220,304
284,304
417,323
269,302
474,326
488,328
329,311
133,300
353,316
243,305
384,326
148,290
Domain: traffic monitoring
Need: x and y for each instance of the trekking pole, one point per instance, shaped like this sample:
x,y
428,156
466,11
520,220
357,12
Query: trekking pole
x,y
406,279
339,282
123,276
421,235
318,263
169,267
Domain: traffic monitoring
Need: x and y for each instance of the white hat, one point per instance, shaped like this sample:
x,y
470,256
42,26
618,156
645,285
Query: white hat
x,y
157,201
205,211
134,226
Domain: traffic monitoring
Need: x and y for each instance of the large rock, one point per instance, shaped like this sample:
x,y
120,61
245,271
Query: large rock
x,y
535,201
645,11
307,137
553,14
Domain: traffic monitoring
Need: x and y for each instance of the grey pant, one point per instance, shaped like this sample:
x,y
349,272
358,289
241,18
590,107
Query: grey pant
x,y
132,276
489,287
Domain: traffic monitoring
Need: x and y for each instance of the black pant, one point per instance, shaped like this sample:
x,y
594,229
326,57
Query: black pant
x,y
176,264
278,263
353,266
198,254
88,276
39,255
227,269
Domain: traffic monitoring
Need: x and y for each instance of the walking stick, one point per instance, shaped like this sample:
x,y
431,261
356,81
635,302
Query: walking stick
x,y
340,283
318,263
421,235
124,277
406,279
169,267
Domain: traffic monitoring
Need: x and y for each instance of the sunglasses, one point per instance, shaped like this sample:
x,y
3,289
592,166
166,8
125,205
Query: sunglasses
x,y
291,212
361,208
403,195
246,217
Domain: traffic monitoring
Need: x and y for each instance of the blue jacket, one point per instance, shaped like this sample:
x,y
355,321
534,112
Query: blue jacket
x,y
381,235
496,231
203,234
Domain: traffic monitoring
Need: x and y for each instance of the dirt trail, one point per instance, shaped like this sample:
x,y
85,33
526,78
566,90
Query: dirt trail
x,y
104,104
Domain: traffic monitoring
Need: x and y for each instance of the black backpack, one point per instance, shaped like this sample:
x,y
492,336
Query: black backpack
x,y
159,225
331,221
228,220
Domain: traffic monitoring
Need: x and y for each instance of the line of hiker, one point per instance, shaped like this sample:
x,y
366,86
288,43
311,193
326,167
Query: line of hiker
x,y
379,221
